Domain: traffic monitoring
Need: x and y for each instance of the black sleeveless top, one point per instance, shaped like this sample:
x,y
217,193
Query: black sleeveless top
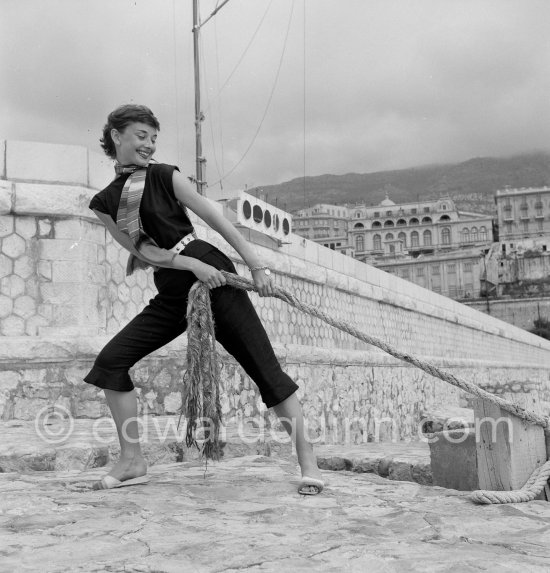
x,y
162,217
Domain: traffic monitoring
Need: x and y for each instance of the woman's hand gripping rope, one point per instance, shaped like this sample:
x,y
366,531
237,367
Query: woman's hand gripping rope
x,y
209,275
262,282
212,278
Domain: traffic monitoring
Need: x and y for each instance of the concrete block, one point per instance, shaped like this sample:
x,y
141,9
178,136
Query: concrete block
x,y
310,251
338,262
337,280
6,306
80,230
24,267
24,306
14,246
67,315
67,293
508,449
44,227
326,257
7,225
25,227
47,162
51,199
67,331
12,286
386,281
453,459
6,266
100,170
366,273
6,197
67,250
349,266
77,272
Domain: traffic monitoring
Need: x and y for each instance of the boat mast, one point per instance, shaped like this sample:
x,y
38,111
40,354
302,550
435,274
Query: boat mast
x,y
200,161
199,117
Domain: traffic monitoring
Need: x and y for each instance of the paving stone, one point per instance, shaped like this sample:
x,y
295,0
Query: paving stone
x,y
245,514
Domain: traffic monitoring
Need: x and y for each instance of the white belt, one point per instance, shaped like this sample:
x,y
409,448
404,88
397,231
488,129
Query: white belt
x,y
180,245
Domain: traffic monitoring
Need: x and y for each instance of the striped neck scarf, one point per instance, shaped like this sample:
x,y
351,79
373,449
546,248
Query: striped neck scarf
x,y
128,220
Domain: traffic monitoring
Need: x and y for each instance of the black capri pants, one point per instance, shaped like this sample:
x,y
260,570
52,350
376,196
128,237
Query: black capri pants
x,y
237,327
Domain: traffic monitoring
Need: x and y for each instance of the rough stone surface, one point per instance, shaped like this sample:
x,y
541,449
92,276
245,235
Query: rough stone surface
x,y
59,443
380,399
53,441
408,461
245,514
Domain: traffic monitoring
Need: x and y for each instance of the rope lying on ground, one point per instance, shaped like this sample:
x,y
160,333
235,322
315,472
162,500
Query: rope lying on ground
x,y
533,486
201,376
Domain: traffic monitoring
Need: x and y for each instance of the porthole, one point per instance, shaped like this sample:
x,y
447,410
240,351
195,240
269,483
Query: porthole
x,y
247,210
267,219
286,226
276,222
257,214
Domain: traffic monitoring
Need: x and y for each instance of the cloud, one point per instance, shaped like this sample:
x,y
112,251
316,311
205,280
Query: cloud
x,y
365,85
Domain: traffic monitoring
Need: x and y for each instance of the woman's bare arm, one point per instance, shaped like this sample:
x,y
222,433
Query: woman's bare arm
x,y
186,194
147,252
162,257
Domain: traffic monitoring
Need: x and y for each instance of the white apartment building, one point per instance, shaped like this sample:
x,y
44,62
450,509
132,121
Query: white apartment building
x,y
523,216
391,230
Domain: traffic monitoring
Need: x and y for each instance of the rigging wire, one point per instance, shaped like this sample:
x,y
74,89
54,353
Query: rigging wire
x,y
220,122
204,79
304,101
176,86
216,10
268,101
245,51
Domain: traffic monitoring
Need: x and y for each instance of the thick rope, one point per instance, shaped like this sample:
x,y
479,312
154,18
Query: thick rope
x,y
533,486
201,381
537,480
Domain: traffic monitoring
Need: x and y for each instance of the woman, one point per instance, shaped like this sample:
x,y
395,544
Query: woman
x,y
149,199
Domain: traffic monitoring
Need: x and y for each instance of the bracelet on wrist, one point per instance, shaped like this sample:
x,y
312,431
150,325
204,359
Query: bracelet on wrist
x,y
265,269
258,268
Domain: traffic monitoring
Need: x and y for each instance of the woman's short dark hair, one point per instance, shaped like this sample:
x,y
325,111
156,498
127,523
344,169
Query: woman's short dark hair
x,y
120,118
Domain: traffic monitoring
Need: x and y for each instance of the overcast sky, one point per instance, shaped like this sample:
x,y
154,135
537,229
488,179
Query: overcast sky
x,y
363,85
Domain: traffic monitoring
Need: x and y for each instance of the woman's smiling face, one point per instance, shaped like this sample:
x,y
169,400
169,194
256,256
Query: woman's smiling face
x,y
136,144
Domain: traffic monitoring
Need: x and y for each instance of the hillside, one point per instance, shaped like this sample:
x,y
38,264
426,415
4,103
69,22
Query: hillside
x,y
472,184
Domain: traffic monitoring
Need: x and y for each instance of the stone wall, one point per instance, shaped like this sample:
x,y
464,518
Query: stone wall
x,y
63,294
521,312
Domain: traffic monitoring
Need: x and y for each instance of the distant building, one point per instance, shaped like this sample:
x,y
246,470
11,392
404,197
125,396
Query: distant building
x,y
391,230
430,243
523,216
426,227
325,224
454,274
